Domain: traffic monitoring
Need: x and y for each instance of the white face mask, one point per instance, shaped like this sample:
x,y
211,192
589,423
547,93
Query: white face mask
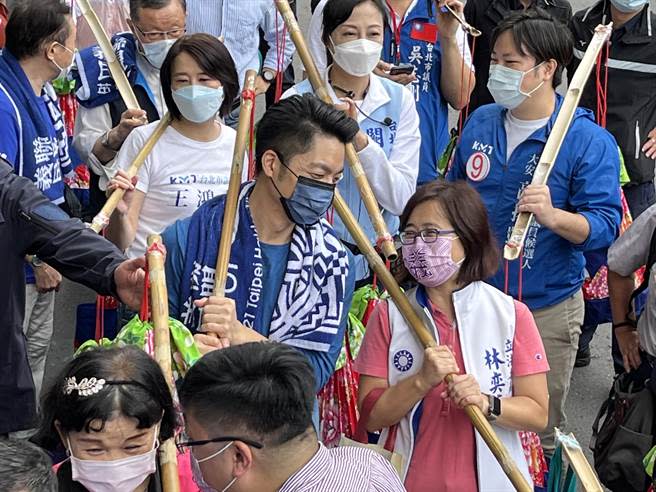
x,y
121,475
358,57
156,52
197,474
505,85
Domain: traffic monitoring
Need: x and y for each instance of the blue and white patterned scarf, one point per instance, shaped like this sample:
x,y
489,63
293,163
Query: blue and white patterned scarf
x,y
311,299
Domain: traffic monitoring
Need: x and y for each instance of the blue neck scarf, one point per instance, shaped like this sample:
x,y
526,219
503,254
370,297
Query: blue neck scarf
x,y
311,299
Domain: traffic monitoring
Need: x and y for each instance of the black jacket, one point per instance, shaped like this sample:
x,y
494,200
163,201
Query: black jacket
x,y
485,15
30,224
631,82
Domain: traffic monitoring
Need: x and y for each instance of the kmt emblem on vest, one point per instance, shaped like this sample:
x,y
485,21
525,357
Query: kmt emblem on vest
x,y
403,360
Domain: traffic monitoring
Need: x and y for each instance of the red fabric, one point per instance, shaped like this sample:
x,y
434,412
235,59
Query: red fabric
x,y
430,467
4,15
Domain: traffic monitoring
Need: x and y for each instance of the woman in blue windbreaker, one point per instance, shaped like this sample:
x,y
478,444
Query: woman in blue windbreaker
x,y
576,211
388,142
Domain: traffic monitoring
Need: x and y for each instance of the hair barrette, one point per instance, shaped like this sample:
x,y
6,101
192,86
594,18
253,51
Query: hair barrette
x,y
86,387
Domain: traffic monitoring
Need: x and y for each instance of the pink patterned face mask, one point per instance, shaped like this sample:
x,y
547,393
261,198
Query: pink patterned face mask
x,y
430,263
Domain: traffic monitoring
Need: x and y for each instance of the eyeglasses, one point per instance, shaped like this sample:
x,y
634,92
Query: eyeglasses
x,y
152,36
427,235
181,445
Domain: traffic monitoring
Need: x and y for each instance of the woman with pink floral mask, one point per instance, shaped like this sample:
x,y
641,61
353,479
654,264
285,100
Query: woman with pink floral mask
x,y
488,341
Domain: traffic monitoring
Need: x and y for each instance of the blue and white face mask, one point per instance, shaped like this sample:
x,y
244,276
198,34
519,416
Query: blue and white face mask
x,y
628,6
198,103
505,85
156,52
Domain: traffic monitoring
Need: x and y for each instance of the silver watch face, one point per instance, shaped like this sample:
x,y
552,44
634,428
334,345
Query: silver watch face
x,y
269,76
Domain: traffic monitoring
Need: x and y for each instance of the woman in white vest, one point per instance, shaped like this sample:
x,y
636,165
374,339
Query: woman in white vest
x,y
389,140
191,162
487,340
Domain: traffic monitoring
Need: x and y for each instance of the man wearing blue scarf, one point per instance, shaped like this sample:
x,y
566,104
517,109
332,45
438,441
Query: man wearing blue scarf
x,y
40,42
288,278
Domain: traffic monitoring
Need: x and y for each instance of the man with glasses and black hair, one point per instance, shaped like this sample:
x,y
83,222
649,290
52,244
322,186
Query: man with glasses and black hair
x,y
248,411
103,121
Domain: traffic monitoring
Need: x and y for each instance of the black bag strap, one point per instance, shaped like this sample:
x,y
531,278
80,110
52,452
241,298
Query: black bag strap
x,y
651,260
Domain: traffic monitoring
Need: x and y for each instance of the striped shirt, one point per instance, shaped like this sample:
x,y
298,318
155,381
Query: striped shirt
x,y
238,22
345,469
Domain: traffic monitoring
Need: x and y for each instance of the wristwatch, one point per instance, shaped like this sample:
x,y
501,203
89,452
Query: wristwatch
x,y
268,75
494,408
36,262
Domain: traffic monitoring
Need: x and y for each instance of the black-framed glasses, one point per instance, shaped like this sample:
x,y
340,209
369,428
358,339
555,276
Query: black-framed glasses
x,y
429,235
181,445
152,36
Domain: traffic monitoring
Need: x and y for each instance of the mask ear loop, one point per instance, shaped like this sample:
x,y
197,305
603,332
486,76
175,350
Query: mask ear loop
x,y
531,92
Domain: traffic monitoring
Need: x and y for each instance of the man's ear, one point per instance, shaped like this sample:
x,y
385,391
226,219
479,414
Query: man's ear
x,y
270,163
243,459
550,68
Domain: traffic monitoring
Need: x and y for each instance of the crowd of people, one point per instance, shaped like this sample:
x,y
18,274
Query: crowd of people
x,y
244,411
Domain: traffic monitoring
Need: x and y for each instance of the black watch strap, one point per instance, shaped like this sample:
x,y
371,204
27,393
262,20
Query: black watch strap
x,y
494,408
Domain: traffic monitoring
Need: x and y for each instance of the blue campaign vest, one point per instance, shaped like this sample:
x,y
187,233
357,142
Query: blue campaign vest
x,y
432,107
384,136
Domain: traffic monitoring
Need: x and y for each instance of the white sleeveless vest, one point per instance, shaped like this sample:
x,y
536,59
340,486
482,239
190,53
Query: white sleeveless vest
x,y
486,324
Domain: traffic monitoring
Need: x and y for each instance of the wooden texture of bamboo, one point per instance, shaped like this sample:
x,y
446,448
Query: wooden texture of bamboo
x,y
474,413
101,220
159,305
578,461
563,121
384,239
115,68
232,197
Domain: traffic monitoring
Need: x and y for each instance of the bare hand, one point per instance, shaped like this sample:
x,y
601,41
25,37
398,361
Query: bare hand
x,y
122,181
438,363
130,119
129,278
447,23
261,85
537,200
464,390
629,344
649,148
208,343
348,106
383,69
220,320
47,279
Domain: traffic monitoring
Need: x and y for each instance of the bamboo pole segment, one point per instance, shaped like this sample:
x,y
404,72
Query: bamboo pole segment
x,y
578,461
466,26
551,149
423,334
384,239
232,197
159,305
115,68
101,220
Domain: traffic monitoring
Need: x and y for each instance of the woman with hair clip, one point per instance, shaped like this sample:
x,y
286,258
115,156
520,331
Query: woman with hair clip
x,y
388,141
191,162
488,341
109,408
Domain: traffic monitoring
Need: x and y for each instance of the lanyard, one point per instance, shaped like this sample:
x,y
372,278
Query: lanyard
x,y
396,27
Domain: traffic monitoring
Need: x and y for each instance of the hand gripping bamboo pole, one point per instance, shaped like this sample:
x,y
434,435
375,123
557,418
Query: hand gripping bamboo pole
x,y
115,68
384,239
473,412
551,149
232,197
101,220
159,305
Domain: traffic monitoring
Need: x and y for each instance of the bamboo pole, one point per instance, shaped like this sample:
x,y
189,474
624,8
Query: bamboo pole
x,y
384,239
423,334
232,197
551,149
159,305
101,220
115,68
578,461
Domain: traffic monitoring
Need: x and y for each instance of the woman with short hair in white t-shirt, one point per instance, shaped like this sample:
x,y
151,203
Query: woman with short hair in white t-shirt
x,y
190,164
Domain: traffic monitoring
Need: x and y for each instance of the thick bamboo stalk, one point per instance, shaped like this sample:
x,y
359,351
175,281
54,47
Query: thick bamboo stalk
x,y
159,305
551,149
578,461
384,239
232,197
115,68
423,334
101,220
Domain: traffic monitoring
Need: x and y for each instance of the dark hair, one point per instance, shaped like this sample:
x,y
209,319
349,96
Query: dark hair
x,y
136,5
33,23
262,389
25,468
215,60
140,392
289,126
336,12
539,35
466,212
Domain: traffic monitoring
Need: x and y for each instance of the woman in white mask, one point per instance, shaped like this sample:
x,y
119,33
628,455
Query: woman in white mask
x,y
191,162
389,140
109,409
485,339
